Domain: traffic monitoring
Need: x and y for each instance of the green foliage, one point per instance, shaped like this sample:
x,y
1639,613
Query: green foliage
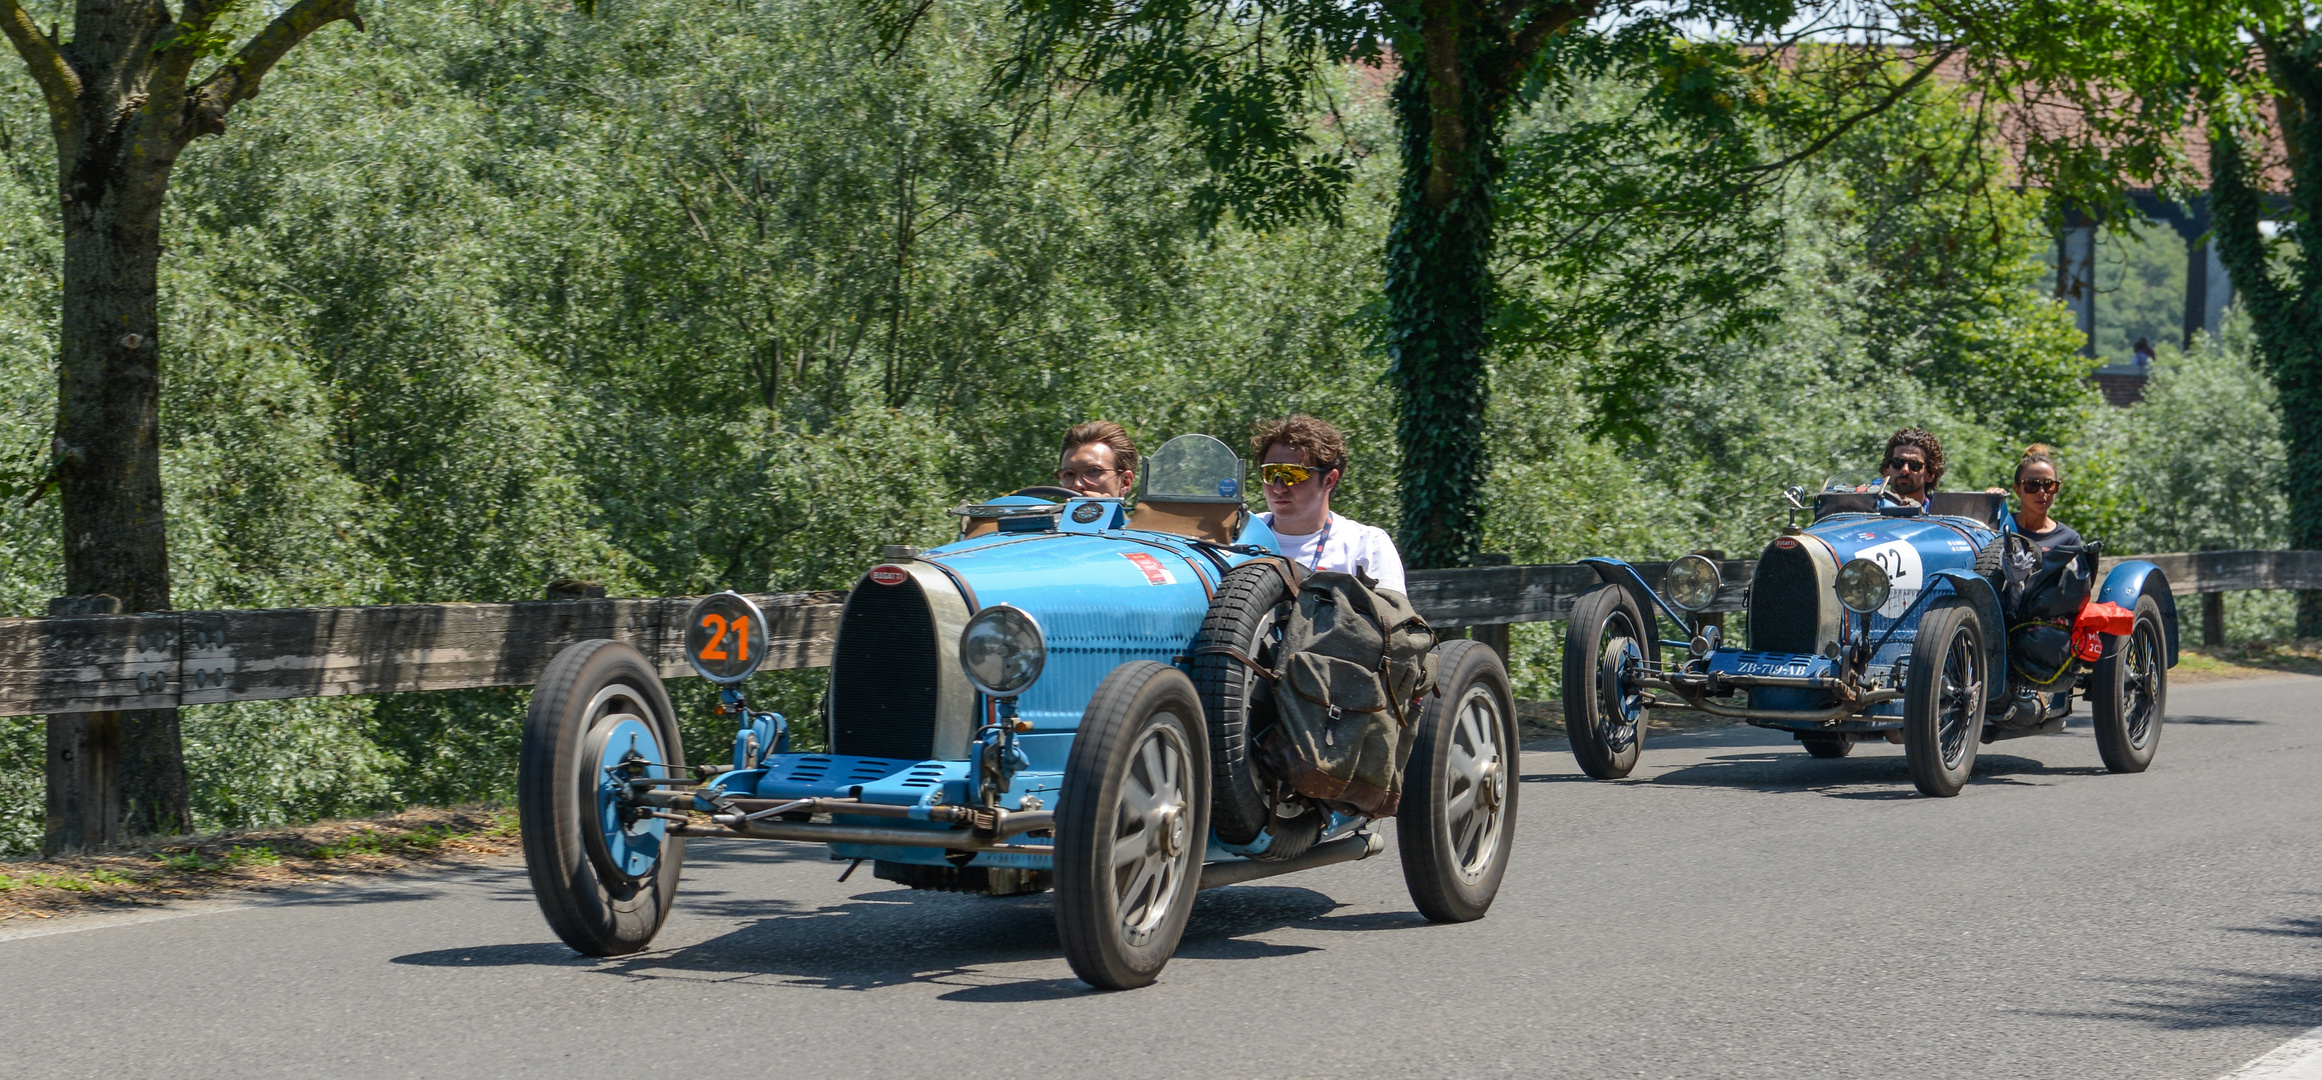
x,y
2199,462
683,298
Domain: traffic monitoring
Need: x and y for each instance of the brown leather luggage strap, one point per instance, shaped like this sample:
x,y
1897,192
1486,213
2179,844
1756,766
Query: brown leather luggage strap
x,y
1387,684
1292,574
1228,650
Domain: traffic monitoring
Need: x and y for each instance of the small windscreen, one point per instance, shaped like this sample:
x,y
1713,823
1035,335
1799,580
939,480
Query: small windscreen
x,y
1845,502
1979,506
1870,482
1193,468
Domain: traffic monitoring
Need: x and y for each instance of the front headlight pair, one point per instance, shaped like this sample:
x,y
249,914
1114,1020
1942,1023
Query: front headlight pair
x,y
1692,584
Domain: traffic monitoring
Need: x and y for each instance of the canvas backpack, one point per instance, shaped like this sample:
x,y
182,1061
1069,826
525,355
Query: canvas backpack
x,y
1355,662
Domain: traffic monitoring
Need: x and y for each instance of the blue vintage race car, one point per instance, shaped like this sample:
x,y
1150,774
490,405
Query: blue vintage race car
x,y
1068,696
1932,626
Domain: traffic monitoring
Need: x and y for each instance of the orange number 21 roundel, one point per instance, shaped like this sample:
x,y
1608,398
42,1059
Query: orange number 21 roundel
x,y
725,637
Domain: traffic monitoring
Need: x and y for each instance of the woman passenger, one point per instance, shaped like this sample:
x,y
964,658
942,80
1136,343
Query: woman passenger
x,y
2037,486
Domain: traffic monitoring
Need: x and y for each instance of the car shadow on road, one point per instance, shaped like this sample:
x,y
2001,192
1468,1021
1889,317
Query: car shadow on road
x,y
2215,997
1878,778
892,937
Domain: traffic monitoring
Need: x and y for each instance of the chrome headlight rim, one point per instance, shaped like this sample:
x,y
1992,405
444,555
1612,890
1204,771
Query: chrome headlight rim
x,y
1006,642
1692,582
1863,586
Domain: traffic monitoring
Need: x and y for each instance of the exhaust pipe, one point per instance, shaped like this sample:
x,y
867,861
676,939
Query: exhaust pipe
x,y
1345,849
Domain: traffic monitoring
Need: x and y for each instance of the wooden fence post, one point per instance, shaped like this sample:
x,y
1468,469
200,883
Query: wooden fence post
x,y
83,761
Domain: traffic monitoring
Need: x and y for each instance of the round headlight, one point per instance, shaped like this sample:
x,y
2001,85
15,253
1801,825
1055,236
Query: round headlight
x,y
1002,650
1691,582
1863,586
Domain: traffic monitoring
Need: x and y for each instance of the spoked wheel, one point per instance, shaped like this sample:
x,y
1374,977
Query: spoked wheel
x,y
1131,825
2130,693
1458,818
604,876
1604,718
1244,621
1827,746
1943,700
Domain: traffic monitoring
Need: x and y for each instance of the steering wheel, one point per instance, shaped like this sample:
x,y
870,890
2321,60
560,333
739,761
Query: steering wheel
x,y
1050,492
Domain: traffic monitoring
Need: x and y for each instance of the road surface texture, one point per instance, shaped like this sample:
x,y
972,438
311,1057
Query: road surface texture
x,y
1736,910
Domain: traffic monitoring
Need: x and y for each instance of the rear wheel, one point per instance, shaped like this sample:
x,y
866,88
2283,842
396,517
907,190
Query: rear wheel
x,y
2130,693
1130,826
1604,718
1827,746
604,875
1245,618
1943,699
1458,819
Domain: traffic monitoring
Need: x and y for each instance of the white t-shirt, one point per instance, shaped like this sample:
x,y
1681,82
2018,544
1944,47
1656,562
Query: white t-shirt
x,y
1351,544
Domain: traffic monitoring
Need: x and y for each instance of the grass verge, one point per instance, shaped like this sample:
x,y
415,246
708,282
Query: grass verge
x,y
2247,660
194,867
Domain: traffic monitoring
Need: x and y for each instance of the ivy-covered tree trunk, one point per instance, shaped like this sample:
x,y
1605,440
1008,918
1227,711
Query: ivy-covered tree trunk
x,y
1439,289
1452,100
122,106
2284,309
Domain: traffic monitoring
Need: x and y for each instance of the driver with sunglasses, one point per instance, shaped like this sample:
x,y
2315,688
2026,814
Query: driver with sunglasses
x,y
1300,462
1913,466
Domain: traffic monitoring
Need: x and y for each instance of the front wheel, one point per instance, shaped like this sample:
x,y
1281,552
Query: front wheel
x,y
1458,819
1943,698
604,875
2130,693
1605,718
1131,824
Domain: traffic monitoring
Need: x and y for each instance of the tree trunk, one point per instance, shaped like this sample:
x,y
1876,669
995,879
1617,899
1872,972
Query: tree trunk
x,y
108,457
1439,288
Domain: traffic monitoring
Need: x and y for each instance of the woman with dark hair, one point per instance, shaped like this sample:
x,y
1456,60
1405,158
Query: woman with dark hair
x,y
2037,484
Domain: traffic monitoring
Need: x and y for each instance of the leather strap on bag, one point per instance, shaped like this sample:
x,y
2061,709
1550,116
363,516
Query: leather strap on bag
x,y
1228,650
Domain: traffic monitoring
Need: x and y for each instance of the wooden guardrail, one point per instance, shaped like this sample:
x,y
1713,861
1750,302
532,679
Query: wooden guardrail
x,y
94,663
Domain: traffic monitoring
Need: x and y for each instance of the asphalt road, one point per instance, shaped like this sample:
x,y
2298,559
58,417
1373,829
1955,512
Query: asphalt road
x,y
1738,909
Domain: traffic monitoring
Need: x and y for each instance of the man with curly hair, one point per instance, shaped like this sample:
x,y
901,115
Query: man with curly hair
x,y
1300,461
1914,464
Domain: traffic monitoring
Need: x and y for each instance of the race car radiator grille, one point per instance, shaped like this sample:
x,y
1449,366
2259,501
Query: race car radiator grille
x,y
1785,602
883,678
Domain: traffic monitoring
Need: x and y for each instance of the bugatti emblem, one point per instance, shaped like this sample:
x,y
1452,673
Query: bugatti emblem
x,y
889,575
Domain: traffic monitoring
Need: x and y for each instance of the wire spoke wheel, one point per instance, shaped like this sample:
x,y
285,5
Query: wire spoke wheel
x,y
1944,698
1961,703
2129,695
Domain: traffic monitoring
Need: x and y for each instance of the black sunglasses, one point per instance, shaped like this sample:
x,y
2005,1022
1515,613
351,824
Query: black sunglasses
x,y
1912,464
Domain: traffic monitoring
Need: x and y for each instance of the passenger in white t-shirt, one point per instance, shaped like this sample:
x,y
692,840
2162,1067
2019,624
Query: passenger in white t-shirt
x,y
1300,462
